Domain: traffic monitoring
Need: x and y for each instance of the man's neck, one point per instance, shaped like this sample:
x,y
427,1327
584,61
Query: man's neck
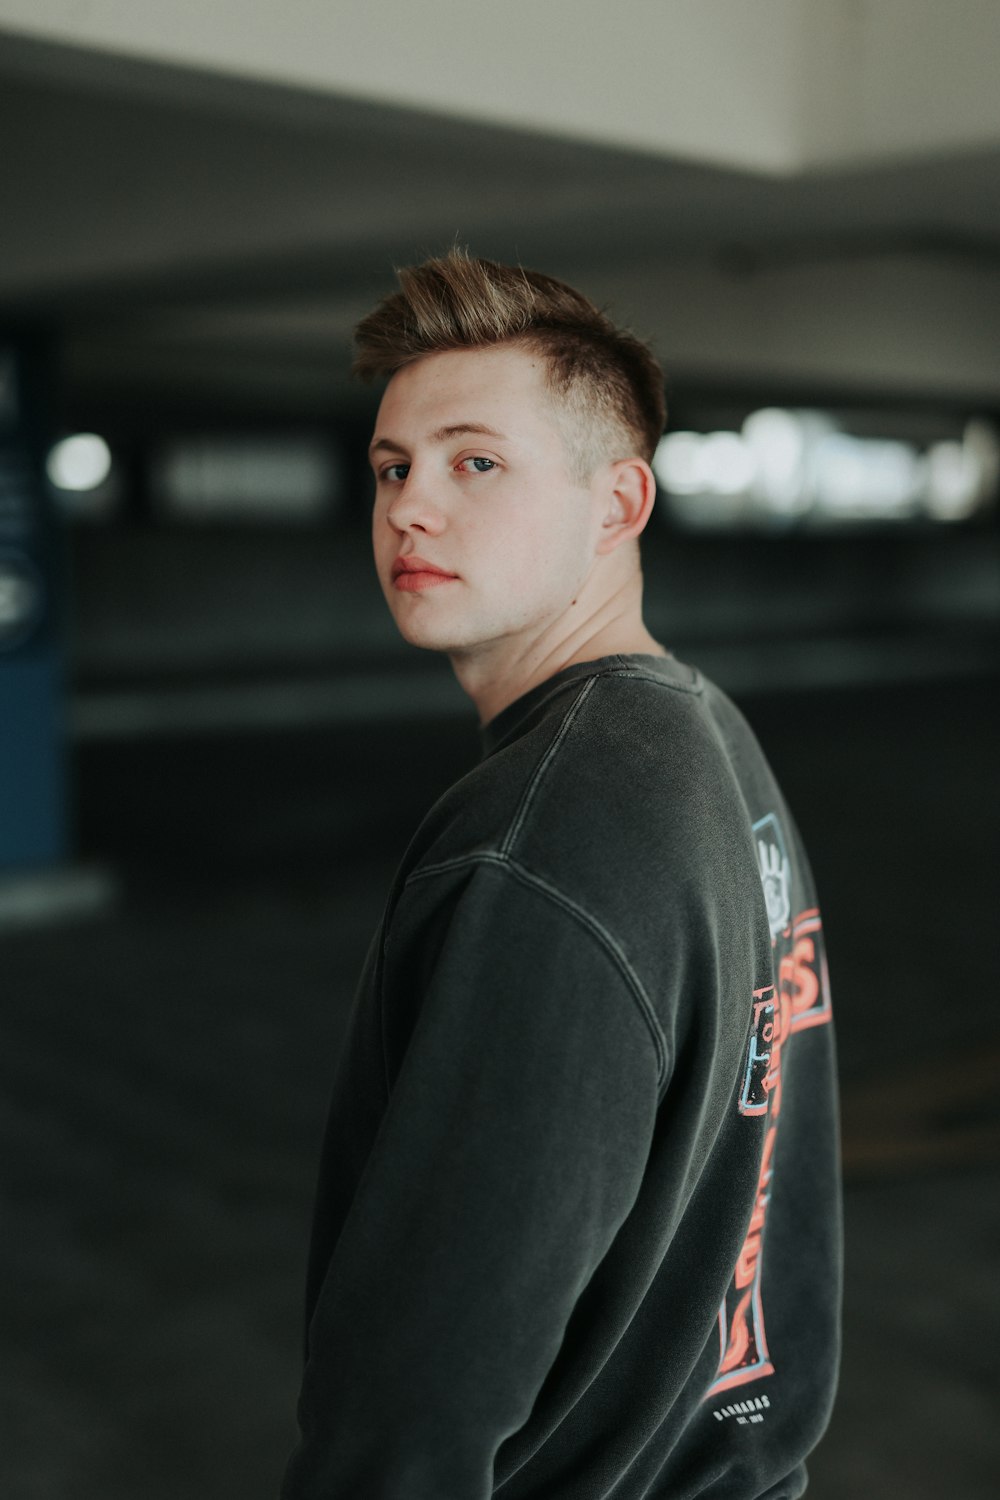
x,y
493,682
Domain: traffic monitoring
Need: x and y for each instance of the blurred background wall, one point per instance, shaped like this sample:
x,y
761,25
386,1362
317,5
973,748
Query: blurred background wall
x,y
213,746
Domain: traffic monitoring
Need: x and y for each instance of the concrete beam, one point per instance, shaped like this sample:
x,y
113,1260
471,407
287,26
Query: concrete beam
x,y
773,86
706,80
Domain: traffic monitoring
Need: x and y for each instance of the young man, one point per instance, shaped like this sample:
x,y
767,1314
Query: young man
x,y
577,1231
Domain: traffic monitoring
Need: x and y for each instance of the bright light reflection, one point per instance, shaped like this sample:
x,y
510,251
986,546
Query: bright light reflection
x,y
798,463
81,462
864,476
777,440
676,463
951,492
727,463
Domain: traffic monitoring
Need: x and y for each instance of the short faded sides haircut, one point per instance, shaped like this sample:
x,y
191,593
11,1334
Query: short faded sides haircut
x,y
605,381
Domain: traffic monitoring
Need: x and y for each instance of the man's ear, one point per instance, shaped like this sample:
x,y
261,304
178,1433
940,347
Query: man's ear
x,y
630,490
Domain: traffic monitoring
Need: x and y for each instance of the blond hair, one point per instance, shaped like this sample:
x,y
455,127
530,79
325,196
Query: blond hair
x,y
606,382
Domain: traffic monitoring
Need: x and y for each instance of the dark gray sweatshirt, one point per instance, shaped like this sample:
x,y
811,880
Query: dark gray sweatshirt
x,y
577,1232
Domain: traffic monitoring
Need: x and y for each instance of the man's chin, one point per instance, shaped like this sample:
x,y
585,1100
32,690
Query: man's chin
x,y
447,643
426,637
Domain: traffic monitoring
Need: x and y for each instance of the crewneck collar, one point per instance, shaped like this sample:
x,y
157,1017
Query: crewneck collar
x,y
512,720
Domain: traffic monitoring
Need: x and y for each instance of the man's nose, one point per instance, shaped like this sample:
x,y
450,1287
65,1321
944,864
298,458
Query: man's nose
x,y
414,506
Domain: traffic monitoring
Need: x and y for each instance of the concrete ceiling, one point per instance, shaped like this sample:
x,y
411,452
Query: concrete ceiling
x,y
188,235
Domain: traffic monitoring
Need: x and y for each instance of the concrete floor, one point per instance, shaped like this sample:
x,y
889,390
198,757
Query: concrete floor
x,y
166,1066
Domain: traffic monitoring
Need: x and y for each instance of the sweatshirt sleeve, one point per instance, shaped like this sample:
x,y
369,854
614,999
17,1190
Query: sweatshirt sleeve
x,y
511,1149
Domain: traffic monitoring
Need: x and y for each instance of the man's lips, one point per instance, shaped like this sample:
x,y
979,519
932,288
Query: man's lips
x,y
411,573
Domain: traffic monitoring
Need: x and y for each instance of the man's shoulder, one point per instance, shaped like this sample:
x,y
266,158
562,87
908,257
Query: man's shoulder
x,y
638,729
604,756
596,707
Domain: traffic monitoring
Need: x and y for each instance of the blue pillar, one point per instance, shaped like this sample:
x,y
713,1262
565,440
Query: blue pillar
x,y
33,752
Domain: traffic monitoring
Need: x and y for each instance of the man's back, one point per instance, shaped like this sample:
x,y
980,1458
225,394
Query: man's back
x,y
578,1227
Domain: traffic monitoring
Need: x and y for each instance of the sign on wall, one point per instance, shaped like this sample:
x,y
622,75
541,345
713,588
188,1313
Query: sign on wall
x,y
33,811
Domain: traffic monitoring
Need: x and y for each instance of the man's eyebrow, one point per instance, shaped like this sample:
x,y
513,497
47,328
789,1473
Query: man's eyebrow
x,y
440,435
386,445
459,429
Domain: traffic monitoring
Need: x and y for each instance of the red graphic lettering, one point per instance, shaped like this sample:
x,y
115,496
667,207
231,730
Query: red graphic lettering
x,y
739,1337
803,973
802,999
746,1266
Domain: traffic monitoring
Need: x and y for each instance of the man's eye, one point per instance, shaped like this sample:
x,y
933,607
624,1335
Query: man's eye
x,y
395,473
477,465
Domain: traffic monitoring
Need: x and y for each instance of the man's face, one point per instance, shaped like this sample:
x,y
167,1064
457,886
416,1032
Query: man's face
x,y
473,476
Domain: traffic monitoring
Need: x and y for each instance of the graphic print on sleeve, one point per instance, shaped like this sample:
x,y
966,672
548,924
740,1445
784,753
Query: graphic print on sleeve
x,y
800,999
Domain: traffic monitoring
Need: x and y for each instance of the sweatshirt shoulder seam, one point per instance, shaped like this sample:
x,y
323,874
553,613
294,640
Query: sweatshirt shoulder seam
x,y
579,914
695,687
528,796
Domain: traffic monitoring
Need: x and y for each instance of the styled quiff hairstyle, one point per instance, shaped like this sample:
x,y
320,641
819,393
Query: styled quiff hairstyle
x,y
606,382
